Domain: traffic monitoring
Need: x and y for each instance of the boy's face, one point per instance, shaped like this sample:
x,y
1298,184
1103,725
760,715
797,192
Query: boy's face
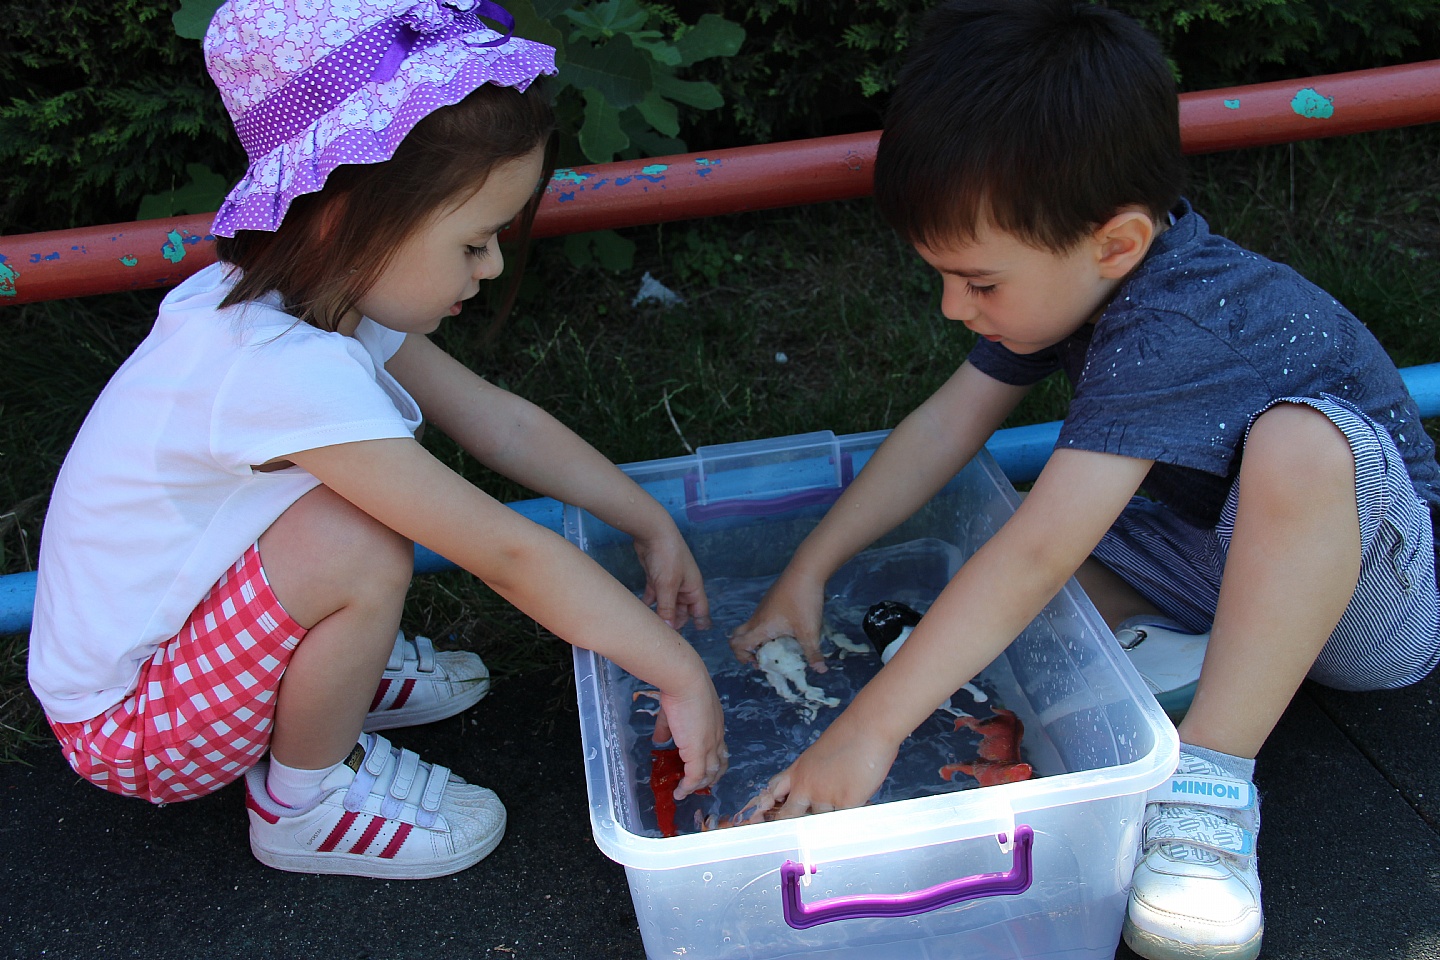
x,y
1020,296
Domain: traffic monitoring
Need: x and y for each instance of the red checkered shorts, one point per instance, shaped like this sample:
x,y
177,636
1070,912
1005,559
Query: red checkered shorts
x,y
201,712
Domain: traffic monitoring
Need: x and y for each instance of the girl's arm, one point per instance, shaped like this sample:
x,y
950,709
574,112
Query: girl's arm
x,y
919,457
400,484
518,439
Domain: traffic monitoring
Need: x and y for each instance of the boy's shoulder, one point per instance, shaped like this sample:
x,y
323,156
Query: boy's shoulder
x,y
1217,283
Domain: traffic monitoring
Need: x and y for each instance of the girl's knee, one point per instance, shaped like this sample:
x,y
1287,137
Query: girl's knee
x,y
330,546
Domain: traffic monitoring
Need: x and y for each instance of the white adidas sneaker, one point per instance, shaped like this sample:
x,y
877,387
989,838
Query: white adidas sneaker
x,y
1196,889
422,685
382,813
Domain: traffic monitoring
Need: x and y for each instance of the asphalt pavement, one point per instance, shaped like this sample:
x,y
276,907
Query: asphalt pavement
x,y
1349,853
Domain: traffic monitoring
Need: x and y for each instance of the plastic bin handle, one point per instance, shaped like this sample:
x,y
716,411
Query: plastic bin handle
x,y
1013,881
697,512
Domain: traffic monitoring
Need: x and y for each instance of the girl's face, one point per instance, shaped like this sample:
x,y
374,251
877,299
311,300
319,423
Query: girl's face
x,y
442,264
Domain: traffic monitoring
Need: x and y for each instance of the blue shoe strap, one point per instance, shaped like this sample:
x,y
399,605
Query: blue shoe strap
x,y
1205,790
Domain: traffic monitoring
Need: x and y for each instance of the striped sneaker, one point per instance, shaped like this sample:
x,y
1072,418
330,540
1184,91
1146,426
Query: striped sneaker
x,y
382,813
421,685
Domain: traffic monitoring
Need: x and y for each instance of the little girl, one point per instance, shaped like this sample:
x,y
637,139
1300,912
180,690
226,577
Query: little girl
x,y
230,539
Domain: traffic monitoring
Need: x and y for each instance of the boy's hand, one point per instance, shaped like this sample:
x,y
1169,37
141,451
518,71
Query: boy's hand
x,y
837,771
672,580
793,607
694,718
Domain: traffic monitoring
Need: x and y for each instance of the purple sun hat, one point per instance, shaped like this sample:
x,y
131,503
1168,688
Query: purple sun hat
x,y
313,84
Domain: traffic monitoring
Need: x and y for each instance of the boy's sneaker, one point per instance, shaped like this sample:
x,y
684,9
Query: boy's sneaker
x,y
383,813
1168,659
421,685
1196,892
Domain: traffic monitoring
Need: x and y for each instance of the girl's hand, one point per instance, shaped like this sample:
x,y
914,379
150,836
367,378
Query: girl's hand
x,y
672,580
793,607
694,718
839,770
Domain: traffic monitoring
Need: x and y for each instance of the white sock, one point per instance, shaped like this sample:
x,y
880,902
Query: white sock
x,y
294,787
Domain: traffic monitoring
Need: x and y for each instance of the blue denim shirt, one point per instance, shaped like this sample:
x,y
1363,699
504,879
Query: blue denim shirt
x,y
1196,342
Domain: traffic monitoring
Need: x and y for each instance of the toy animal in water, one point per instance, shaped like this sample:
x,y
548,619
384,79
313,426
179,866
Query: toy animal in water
x,y
887,624
783,664
666,771
999,760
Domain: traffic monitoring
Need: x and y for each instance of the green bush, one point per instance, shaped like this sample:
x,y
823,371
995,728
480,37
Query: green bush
x,y
811,67
102,104
108,116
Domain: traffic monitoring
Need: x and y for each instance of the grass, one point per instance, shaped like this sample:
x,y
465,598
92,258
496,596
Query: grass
x,y
796,320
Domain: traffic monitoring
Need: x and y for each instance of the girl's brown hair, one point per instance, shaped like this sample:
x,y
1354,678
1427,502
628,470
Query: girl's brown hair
x,y
333,245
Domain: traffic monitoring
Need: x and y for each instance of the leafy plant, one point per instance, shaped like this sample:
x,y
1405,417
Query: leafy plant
x,y
619,92
102,103
811,68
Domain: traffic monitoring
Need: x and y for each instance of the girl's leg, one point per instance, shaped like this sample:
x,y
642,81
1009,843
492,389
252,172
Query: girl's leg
x,y
352,803
1292,565
344,576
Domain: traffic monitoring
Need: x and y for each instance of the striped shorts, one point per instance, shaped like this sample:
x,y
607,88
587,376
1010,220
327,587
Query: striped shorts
x,y
202,709
1389,635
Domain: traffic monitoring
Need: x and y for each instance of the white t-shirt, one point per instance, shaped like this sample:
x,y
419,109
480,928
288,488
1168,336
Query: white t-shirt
x,y
157,497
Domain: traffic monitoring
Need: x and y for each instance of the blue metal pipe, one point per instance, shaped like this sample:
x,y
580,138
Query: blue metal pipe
x,y
1020,451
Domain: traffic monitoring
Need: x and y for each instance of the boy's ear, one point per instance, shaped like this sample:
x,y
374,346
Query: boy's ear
x,y
1122,242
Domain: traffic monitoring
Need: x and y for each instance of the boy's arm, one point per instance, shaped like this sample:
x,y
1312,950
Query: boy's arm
x,y
403,486
519,440
919,457
988,603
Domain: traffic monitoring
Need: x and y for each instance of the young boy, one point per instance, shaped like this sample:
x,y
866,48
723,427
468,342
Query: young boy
x,y
1031,154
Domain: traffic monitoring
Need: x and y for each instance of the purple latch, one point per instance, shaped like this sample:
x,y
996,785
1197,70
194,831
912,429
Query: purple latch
x,y
1015,880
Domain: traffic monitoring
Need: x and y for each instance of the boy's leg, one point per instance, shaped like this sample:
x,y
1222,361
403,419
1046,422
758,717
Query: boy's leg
x,y
1115,600
1292,565
1321,492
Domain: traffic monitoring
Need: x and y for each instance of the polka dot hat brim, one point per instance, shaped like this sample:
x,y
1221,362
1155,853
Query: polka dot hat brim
x,y
313,84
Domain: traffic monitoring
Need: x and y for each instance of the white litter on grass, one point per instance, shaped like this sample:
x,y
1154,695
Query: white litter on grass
x,y
653,291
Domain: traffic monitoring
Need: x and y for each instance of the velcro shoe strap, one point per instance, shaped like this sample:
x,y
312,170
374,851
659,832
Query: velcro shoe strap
x,y
425,650
432,795
404,780
401,652
1197,828
377,758
1206,790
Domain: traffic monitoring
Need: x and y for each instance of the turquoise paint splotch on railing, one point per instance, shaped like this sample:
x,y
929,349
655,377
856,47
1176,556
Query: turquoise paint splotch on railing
x,y
8,276
174,250
1232,104
1309,102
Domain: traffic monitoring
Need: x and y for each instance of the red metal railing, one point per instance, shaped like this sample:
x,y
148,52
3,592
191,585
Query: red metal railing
x,y
153,253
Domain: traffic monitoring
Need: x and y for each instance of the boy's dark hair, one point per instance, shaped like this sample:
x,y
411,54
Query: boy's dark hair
x,y
1041,117
333,245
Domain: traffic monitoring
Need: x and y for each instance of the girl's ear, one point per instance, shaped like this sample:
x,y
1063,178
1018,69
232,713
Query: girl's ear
x,y
1122,242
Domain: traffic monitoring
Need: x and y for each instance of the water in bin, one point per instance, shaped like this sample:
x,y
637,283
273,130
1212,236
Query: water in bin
x,y
765,733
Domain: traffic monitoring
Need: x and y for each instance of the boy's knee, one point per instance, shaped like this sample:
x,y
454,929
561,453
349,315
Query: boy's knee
x,y
1296,450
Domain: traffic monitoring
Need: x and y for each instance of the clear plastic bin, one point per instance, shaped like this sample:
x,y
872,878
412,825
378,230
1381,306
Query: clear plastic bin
x,y
1032,869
